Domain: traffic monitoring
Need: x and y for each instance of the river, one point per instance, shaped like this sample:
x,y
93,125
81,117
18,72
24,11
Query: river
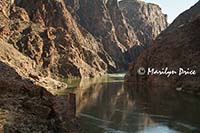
x,y
104,105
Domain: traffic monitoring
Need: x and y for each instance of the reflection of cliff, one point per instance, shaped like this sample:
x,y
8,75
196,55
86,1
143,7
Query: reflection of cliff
x,y
87,95
110,104
97,93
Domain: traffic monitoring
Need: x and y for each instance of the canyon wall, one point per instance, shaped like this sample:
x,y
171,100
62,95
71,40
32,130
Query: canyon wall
x,y
72,38
107,21
176,47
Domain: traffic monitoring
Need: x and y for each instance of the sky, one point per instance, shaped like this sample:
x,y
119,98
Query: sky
x,y
173,7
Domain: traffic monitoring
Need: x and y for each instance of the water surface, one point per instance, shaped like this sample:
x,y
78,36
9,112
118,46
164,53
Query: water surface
x,y
104,105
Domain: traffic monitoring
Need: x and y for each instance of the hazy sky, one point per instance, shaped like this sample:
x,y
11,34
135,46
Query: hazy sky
x,y
173,7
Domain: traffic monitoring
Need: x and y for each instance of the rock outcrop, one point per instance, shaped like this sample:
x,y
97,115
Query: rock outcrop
x,y
25,107
26,67
47,33
147,19
176,47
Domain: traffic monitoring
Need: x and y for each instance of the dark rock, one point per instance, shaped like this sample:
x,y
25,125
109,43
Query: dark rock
x,y
176,47
38,110
9,128
30,108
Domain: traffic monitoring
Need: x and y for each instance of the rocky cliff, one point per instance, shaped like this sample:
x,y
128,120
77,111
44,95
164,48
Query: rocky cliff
x,y
47,33
25,106
95,17
176,47
108,23
147,19
72,38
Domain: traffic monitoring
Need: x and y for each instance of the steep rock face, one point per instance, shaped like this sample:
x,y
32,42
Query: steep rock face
x,y
94,16
122,39
124,32
147,19
47,33
177,47
70,38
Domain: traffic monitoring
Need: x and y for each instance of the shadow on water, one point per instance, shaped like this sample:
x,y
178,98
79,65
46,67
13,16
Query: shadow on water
x,y
105,105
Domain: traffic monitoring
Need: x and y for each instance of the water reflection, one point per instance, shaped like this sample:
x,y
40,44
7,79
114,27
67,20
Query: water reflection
x,y
106,106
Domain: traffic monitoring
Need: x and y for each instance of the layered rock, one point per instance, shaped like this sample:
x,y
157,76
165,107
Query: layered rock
x,y
147,19
176,47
